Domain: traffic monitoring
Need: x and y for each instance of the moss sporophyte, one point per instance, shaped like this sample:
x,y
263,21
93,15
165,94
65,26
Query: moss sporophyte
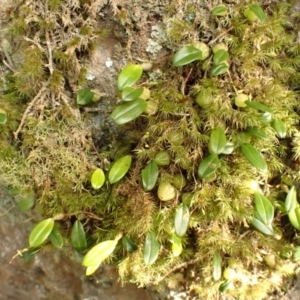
x,y
201,174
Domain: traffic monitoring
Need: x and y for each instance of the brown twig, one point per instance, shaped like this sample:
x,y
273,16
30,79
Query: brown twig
x,y
50,60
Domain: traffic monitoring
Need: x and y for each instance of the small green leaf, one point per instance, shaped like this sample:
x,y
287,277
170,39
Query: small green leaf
x,y
29,255
228,148
129,76
151,249
176,245
294,217
260,226
258,106
291,200
78,238
279,128
257,133
97,179
181,220
119,169
128,111
220,56
225,286
3,116
218,69
220,10
217,266
254,157
128,244
40,232
186,55
84,96
217,141
149,176
257,10
264,209
56,238
208,166
162,158
99,253
129,94
27,201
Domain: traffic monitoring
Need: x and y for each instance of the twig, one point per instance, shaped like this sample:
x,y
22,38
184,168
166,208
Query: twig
x,y
34,42
29,107
65,101
50,60
218,36
183,265
7,211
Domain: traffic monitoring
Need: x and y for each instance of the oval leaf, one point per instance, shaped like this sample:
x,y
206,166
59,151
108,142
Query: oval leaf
x,y
181,220
129,94
257,10
217,141
40,232
294,217
225,286
176,245
129,111
208,166
291,200
220,56
258,106
129,76
149,176
217,266
151,249
186,55
279,128
264,208
56,238
257,133
162,158
218,69
27,201
220,10
119,169
78,238
97,179
84,96
3,116
228,148
128,244
254,157
99,253
260,226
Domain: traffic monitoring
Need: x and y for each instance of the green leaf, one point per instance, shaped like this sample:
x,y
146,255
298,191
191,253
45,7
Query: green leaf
x,y
56,238
258,106
27,201
254,157
78,238
151,249
40,232
3,116
220,56
128,244
217,266
220,10
217,141
129,94
162,158
279,128
291,200
84,96
181,220
129,76
176,245
294,217
257,10
257,133
99,253
297,254
218,69
208,166
149,176
225,286
260,226
119,169
97,179
264,209
29,255
129,111
186,55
